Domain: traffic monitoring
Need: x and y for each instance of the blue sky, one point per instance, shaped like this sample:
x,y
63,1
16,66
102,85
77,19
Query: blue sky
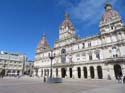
x,y
22,22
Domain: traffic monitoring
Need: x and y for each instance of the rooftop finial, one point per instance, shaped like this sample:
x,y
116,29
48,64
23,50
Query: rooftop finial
x,y
66,15
44,35
108,6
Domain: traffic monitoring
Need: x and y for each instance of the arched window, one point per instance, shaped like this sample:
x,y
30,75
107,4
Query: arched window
x,y
118,71
92,74
63,56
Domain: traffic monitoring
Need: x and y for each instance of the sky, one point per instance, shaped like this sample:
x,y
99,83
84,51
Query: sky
x,y
22,22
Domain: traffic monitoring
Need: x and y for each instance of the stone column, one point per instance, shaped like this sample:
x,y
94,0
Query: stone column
x,y
54,72
20,73
111,67
108,72
39,72
43,72
15,72
67,72
88,72
82,73
123,69
95,72
59,72
74,72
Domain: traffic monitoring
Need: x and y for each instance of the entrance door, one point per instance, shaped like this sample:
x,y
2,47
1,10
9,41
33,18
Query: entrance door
x,y
85,72
63,71
56,72
92,74
79,72
99,72
117,71
70,70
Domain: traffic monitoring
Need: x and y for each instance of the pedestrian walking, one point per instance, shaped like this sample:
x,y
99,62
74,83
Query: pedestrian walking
x,y
44,79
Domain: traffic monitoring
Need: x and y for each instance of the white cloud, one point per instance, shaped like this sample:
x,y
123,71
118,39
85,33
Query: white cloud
x,y
89,11
64,3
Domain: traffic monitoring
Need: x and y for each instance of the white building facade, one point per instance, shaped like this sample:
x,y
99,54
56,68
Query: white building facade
x,y
101,56
12,63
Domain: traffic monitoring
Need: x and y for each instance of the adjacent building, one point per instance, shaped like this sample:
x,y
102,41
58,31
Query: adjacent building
x,y
29,66
101,56
12,63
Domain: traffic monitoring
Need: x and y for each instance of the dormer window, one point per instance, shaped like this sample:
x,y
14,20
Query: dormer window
x,y
97,55
90,56
89,44
83,45
78,47
114,52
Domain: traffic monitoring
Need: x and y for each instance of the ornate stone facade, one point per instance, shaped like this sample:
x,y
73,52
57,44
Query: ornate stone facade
x,y
101,56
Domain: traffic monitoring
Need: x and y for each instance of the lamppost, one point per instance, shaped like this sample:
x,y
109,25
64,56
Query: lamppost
x,y
53,79
51,56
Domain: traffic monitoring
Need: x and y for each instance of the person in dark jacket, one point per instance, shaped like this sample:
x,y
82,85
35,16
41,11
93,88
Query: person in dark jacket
x,y
44,79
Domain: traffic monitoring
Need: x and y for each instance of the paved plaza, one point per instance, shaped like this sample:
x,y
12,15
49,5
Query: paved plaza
x,y
30,85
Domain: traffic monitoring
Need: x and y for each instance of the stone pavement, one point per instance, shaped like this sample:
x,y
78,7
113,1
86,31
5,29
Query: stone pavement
x,y
30,85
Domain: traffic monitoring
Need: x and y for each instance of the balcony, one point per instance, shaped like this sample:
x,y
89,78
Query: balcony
x,y
115,60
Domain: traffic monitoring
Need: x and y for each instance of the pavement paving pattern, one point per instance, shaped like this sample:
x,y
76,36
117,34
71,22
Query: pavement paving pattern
x,y
69,86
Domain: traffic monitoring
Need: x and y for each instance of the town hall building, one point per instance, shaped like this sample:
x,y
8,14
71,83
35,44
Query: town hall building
x,y
101,56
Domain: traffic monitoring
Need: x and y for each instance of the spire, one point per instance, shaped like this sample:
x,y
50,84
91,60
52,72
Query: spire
x,y
67,15
44,41
44,35
108,6
67,23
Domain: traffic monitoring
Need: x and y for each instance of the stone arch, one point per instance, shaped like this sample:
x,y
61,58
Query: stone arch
x,y
18,72
70,71
85,72
117,71
99,72
79,72
63,56
63,72
92,74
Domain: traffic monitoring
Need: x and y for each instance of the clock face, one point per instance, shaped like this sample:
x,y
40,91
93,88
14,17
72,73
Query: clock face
x,y
63,51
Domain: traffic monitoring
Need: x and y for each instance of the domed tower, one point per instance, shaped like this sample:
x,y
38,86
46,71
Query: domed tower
x,y
42,45
110,20
66,28
66,33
